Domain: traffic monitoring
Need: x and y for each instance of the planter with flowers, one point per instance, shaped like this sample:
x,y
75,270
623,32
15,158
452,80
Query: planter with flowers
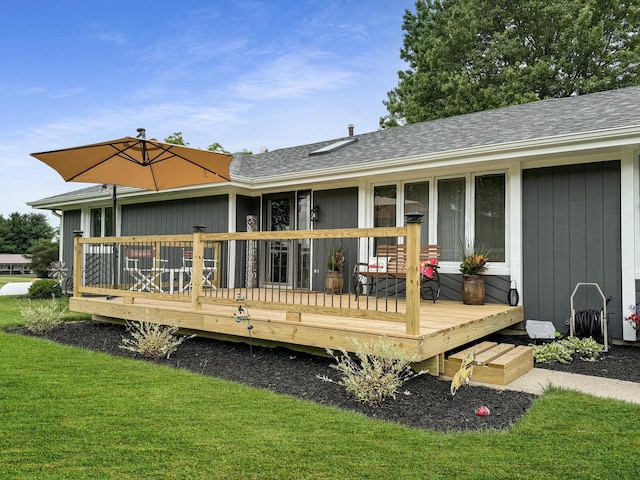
x,y
634,318
335,261
473,265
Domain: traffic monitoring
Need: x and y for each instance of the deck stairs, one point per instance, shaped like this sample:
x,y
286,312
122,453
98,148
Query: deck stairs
x,y
496,363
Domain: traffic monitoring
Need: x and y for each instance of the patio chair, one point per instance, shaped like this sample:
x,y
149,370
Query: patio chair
x,y
208,269
141,264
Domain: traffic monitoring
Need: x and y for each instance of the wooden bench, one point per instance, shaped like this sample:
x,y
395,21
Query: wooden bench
x,y
391,263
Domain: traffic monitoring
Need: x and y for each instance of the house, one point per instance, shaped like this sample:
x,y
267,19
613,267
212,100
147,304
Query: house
x,y
14,264
552,187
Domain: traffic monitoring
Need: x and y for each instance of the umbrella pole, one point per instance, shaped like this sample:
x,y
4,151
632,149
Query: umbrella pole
x,y
114,199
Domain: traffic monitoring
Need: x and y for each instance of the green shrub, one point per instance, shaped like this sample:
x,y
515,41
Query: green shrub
x,y
379,371
45,288
152,340
551,353
40,317
586,348
563,350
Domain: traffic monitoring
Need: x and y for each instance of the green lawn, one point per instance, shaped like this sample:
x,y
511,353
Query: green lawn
x,y
70,413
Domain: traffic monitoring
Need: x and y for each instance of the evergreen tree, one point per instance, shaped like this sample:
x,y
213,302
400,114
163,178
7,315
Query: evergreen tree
x,y
20,231
472,55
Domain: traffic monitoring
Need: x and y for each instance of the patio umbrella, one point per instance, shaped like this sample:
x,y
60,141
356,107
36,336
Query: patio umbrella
x,y
138,162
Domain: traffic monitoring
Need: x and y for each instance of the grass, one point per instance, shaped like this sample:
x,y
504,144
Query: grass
x,y
71,413
4,279
10,306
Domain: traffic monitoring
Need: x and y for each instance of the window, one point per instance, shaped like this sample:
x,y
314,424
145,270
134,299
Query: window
x,y
468,208
490,214
416,200
384,206
451,216
101,222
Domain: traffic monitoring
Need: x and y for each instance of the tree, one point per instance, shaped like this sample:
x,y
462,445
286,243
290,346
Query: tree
x,y
472,55
175,139
216,147
41,254
20,231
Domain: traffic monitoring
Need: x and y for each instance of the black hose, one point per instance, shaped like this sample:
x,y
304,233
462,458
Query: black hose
x,y
588,323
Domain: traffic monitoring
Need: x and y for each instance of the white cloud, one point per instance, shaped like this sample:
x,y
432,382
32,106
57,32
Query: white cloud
x,y
292,75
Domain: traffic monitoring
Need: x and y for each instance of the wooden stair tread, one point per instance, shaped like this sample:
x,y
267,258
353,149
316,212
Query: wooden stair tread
x,y
479,348
511,356
498,364
487,356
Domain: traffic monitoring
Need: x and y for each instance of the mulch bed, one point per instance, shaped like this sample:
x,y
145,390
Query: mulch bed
x,y
424,402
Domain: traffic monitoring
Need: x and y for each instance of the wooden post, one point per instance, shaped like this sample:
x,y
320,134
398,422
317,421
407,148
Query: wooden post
x,y
413,222
77,261
197,267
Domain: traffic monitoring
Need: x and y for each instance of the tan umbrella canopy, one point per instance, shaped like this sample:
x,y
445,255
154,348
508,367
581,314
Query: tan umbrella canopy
x,y
138,162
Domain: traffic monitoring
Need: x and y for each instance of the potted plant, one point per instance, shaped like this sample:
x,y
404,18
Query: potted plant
x,y
473,265
335,262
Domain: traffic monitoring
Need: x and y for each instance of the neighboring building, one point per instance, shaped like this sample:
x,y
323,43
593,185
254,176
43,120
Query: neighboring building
x,y
552,187
14,264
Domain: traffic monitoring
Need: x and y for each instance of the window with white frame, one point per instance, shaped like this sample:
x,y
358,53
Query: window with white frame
x,y
101,222
469,200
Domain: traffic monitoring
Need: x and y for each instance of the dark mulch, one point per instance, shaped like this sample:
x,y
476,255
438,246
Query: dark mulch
x,y
425,402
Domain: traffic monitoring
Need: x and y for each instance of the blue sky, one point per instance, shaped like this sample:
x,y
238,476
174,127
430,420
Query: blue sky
x,y
246,74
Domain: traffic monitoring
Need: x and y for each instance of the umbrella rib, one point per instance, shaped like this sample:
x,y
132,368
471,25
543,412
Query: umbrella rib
x,y
122,153
174,154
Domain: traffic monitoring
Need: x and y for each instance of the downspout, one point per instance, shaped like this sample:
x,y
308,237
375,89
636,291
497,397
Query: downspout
x,y
55,213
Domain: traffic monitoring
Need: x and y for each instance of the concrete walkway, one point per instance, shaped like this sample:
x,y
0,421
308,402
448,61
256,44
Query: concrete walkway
x,y
535,380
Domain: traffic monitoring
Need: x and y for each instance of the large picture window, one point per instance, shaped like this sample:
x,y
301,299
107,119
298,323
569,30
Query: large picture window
x,y
468,208
489,217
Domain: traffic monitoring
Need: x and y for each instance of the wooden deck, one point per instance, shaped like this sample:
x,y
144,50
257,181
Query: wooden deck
x,y
443,326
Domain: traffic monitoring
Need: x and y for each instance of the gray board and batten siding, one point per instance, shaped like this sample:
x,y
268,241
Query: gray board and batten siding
x,y
571,234
176,217
338,208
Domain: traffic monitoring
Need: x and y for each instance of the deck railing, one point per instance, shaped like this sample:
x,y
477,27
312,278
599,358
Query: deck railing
x,y
279,270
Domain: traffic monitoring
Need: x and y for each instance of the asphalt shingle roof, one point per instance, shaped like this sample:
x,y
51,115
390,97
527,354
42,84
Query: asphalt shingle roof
x,y
536,120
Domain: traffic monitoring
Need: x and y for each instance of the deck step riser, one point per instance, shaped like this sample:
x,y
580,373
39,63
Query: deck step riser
x,y
498,364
